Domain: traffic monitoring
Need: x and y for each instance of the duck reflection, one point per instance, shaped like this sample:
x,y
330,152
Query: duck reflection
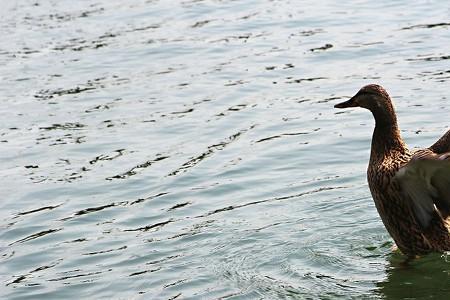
x,y
423,278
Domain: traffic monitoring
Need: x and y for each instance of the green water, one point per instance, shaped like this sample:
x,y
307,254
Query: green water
x,y
190,149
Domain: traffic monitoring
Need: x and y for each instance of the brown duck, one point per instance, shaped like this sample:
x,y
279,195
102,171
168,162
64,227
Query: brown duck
x,y
411,189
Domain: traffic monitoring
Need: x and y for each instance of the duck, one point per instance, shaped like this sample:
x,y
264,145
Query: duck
x,y
410,188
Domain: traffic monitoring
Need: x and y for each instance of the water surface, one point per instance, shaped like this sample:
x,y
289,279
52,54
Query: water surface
x,y
190,149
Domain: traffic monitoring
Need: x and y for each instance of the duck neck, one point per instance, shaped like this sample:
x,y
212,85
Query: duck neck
x,y
386,139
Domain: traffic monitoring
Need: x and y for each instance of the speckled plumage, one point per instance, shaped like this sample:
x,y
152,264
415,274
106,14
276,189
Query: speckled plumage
x,y
411,190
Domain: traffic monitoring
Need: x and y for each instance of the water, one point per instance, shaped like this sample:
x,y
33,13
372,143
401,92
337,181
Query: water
x,y
190,149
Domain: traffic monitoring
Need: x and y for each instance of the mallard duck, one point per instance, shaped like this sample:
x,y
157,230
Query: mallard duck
x,y
411,189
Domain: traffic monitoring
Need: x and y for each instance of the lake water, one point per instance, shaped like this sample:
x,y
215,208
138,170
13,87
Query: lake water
x,y
190,149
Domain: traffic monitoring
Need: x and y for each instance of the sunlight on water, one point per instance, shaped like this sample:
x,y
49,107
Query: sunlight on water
x,y
190,149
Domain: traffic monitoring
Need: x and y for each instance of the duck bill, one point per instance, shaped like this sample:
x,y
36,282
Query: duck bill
x,y
349,103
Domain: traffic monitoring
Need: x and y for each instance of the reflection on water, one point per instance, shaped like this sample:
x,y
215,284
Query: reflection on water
x,y
427,277
190,149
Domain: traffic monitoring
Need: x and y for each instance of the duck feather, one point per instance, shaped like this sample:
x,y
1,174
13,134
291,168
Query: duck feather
x,y
442,145
426,180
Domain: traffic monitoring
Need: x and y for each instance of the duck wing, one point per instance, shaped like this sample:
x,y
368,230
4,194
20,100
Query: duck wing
x,y
426,180
442,145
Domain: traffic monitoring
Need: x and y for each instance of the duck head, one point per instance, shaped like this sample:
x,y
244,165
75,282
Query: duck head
x,y
375,98
372,97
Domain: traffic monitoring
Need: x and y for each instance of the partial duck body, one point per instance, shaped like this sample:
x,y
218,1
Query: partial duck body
x,y
411,189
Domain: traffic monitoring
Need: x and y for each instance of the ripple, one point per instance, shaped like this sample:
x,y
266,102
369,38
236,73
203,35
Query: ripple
x,y
35,236
443,24
211,150
135,170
